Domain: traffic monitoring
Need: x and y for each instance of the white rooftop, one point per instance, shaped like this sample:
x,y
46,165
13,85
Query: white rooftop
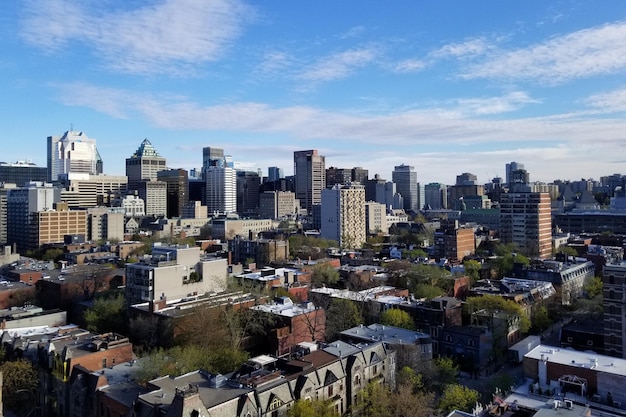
x,y
575,358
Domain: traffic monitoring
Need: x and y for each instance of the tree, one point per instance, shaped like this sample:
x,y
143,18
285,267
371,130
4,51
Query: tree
x,y
427,291
312,408
324,274
472,269
19,385
341,315
442,374
540,319
397,318
501,316
106,315
593,288
458,397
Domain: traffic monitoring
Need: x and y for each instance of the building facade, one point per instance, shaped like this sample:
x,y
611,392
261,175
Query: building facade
x,y
525,219
310,177
405,178
177,189
72,152
614,303
343,215
277,204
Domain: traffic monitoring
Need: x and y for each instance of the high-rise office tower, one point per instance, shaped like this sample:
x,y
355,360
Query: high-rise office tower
x,y
405,178
360,175
144,164
72,152
510,167
525,219
221,181
310,177
4,191
343,215
274,174
22,172
614,306
436,196
177,186
248,185
336,176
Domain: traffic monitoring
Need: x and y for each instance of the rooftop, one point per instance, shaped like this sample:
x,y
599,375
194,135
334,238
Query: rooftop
x,y
578,359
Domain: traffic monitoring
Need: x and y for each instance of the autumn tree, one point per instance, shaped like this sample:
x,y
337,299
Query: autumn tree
x,y
458,397
19,385
397,318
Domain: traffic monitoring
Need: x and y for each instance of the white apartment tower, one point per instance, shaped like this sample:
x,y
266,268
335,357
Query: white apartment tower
x,y
220,179
72,152
343,215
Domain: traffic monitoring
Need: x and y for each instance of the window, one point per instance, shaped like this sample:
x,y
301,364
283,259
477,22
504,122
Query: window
x,y
330,391
104,362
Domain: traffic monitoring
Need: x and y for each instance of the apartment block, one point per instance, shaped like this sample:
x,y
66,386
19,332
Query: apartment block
x,y
525,219
343,215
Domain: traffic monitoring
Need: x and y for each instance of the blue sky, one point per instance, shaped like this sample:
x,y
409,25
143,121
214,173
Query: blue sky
x,y
448,87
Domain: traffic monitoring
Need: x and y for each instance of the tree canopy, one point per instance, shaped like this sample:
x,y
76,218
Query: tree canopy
x,y
458,397
19,385
397,318
324,274
341,315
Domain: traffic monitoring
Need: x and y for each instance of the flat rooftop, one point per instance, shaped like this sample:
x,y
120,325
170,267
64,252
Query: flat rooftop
x,y
575,358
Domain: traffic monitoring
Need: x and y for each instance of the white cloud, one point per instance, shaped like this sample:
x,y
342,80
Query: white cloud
x,y
588,52
340,65
168,36
613,101
470,47
409,66
494,105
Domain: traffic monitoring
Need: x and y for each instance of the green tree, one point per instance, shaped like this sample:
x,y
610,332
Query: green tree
x,y
540,319
427,291
501,316
594,287
106,315
472,269
458,397
312,408
341,315
53,254
397,318
324,274
19,385
441,374
567,250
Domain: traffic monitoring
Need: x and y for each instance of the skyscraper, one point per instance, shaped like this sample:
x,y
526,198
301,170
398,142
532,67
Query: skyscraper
x,y
177,187
221,181
436,196
405,178
274,174
248,185
310,177
525,219
510,167
144,164
343,215
72,152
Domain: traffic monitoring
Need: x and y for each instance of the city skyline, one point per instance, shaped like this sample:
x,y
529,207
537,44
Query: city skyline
x,y
446,89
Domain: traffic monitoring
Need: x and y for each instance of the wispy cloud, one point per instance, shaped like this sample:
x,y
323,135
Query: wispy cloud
x,y
340,65
408,66
613,101
594,51
469,47
495,105
171,35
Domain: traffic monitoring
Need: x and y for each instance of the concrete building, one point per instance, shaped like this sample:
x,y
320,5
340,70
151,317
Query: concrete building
x,y
154,194
509,168
177,181
23,204
436,196
81,190
144,164
105,224
405,178
221,189
4,191
22,172
310,177
586,375
614,302
525,219
133,205
261,251
224,228
339,176
360,175
375,218
173,272
277,204
72,152
343,215
194,210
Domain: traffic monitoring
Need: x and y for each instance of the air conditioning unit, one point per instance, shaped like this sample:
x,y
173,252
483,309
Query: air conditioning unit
x,y
569,404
